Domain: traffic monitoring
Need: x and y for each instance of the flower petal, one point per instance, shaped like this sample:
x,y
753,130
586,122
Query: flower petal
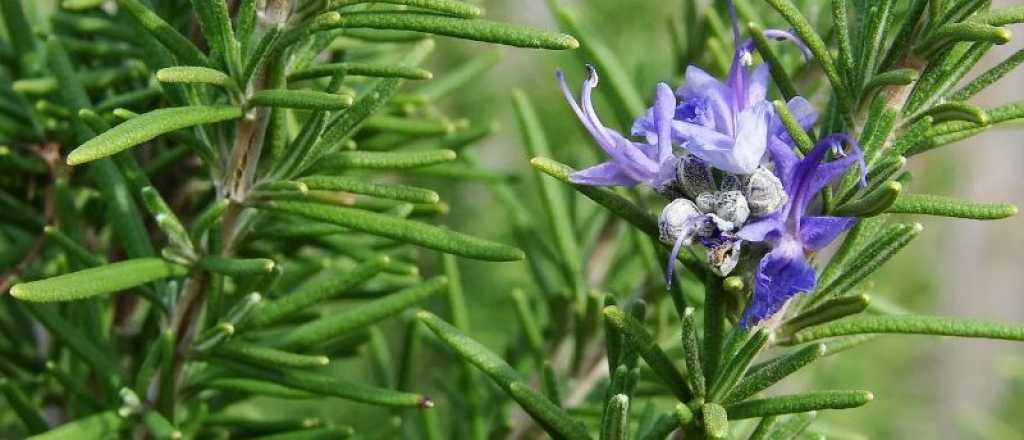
x,y
780,35
782,274
765,229
818,232
810,175
644,126
757,85
785,160
603,174
802,111
585,113
716,95
751,139
664,109
683,132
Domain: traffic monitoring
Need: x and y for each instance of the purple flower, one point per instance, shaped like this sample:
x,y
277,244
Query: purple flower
x,y
728,125
631,163
791,231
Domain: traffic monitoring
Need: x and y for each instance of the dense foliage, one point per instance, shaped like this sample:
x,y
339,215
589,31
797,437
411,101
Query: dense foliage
x,y
214,207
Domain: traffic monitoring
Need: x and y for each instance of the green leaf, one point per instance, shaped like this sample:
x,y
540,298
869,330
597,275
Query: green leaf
x,y
830,310
950,207
459,76
271,357
147,126
363,315
791,427
692,354
942,134
400,229
915,135
100,280
448,7
407,126
817,46
841,26
1000,17
205,219
990,77
196,75
872,203
328,433
128,99
764,428
552,196
258,387
771,372
361,186
323,385
961,32
793,127
798,403
361,69
29,414
616,422
716,422
957,111
79,344
341,129
895,77
918,325
300,99
315,293
104,425
877,23
151,362
868,259
17,26
734,368
236,267
531,329
259,54
478,30
714,325
73,248
215,19
554,419
159,427
943,73
177,44
384,160
660,429
166,219
645,345
81,5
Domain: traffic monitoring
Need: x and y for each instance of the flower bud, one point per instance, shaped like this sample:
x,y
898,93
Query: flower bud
x,y
681,219
694,176
731,206
764,192
706,202
732,182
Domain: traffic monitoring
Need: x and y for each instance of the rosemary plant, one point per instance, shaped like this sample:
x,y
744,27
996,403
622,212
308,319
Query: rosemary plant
x,y
209,178
211,207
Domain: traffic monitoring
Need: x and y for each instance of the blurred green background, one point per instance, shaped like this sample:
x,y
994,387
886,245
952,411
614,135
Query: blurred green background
x,y
925,387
